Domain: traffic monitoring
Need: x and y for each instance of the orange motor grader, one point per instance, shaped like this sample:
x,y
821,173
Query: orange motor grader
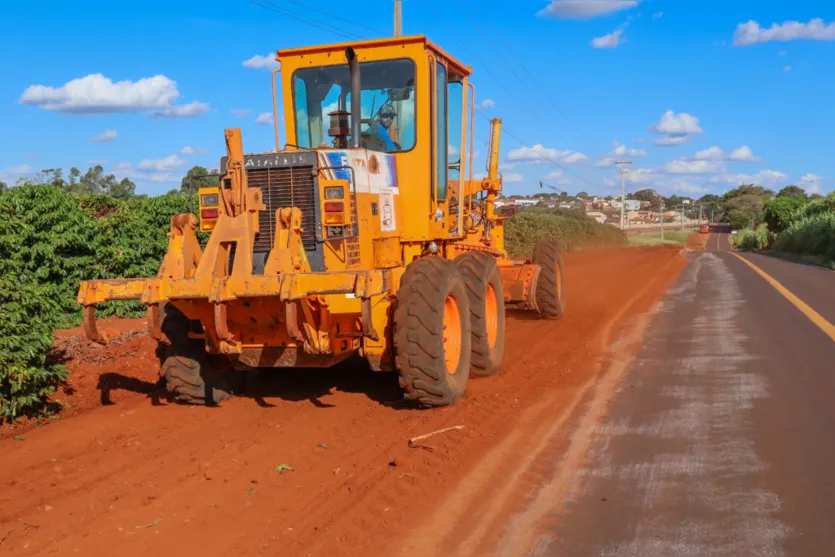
x,y
361,236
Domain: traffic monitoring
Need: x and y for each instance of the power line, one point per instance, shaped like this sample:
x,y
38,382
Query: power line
x,y
271,7
537,90
337,17
464,44
507,132
528,73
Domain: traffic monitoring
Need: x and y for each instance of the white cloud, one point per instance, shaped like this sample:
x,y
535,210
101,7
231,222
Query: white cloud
x,y
678,185
539,154
554,175
265,118
192,150
787,69
507,166
612,40
811,183
97,94
781,53
488,103
624,151
657,15
620,151
267,62
239,112
671,140
585,9
742,154
153,170
643,175
513,178
183,111
810,178
677,124
104,137
711,153
12,173
751,33
763,178
682,166
676,129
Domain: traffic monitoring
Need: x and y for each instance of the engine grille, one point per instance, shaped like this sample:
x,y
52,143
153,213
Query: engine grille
x,y
285,187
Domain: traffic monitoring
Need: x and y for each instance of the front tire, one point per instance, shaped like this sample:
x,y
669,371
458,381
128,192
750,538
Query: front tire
x,y
432,332
487,316
190,375
550,291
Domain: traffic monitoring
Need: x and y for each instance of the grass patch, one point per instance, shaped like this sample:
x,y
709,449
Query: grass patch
x,y
653,238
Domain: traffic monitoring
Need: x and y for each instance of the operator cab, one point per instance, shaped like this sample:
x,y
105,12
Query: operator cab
x,y
416,105
322,101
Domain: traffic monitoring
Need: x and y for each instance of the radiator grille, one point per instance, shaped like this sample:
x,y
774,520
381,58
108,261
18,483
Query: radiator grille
x,y
285,187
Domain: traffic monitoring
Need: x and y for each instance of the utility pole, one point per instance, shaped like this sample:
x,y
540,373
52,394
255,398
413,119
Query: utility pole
x,y
398,18
661,206
622,165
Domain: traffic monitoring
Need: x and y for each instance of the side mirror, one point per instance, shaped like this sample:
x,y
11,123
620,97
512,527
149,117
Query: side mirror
x,y
507,210
399,94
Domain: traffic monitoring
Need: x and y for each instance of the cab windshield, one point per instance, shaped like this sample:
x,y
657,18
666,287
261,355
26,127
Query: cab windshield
x,y
388,104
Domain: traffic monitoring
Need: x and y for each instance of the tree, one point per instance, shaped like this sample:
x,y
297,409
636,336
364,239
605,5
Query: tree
x,y
792,191
123,189
779,212
3,187
645,195
582,195
198,177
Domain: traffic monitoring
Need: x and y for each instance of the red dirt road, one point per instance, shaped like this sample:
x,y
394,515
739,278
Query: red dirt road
x,y
140,476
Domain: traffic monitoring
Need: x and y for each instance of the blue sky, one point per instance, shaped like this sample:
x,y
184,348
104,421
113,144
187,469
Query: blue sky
x,y
701,96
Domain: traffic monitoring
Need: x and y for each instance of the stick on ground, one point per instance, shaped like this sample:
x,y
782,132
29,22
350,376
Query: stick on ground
x,y
413,441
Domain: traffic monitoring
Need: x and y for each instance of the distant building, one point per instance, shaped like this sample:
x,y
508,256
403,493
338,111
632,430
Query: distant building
x,y
597,215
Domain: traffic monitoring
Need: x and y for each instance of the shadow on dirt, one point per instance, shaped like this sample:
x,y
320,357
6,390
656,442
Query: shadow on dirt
x,y
312,384
291,385
109,382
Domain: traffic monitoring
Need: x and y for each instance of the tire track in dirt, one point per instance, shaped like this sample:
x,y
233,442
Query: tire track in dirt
x,y
189,472
469,520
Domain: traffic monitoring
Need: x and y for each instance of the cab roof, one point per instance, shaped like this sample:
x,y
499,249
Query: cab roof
x,y
375,43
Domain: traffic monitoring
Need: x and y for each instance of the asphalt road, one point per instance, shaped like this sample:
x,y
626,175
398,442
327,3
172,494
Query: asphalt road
x,y
721,439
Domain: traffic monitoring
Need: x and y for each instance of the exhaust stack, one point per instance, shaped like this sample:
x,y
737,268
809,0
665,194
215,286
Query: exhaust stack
x,y
356,100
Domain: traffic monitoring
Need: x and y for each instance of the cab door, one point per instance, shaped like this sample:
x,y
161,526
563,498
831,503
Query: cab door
x,y
448,140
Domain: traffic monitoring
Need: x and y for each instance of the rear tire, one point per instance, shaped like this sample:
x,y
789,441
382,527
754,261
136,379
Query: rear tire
x,y
487,316
432,332
550,291
190,374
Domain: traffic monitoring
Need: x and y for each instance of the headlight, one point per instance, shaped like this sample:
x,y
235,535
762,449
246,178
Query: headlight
x,y
208,200
335,192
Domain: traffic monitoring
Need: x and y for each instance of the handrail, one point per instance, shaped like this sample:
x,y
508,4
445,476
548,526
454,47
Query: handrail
x,y
275,111
471,162
433,83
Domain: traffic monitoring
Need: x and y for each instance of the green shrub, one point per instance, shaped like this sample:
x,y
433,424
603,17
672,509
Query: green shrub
x,y
49,242
820,205
751,240
810,235
781,211
523,231
47,245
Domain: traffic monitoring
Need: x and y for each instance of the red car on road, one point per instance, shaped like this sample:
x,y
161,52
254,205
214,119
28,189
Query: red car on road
x,y
704,229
